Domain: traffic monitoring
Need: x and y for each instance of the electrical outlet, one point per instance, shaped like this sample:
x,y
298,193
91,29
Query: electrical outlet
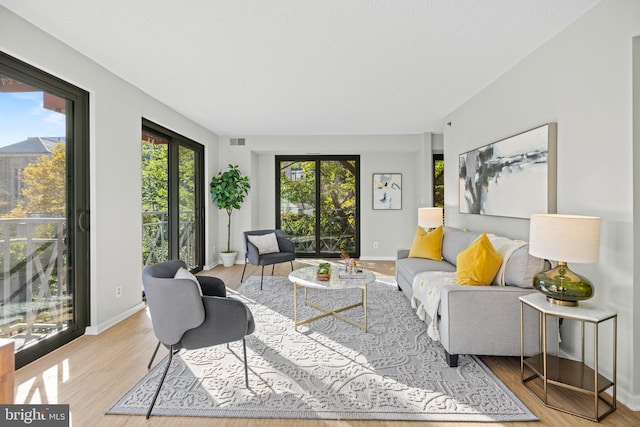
x,y
375,245
118,291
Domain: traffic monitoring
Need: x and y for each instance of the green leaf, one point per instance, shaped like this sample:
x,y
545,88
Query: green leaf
x,y
228,190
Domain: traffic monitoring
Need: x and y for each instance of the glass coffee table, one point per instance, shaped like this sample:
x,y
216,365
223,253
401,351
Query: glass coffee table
x,y
307,278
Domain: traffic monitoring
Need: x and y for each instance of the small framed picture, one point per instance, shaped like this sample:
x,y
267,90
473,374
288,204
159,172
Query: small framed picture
x,y
387,191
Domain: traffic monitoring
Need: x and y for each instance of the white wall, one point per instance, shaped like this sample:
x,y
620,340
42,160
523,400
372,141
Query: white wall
x,y
581,79
392,229
116,109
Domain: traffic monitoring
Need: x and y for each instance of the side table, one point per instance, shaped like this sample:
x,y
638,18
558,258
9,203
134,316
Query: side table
x,y
552,377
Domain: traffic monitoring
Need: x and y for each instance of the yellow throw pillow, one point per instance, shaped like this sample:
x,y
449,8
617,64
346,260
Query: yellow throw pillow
x,y
479,263
427,244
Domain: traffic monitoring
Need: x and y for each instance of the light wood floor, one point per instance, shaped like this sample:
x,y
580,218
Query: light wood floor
x,y
92,372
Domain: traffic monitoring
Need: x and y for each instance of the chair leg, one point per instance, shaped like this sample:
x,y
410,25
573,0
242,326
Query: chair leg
x,y
291,265
154,355
246,369
261,277
164,374
243,270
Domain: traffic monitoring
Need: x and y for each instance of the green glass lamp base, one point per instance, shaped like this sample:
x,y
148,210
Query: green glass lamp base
x,y
562,286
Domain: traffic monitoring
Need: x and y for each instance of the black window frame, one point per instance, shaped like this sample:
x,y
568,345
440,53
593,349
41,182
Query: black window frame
x,y
78,200
435,158
318,158
175,141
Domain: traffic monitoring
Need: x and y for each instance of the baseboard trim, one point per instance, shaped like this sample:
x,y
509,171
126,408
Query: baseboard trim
x,y
215,264
96,330
378,258
363,258
631,401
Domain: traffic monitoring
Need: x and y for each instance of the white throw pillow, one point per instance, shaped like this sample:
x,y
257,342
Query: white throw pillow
x,y
183,273
266,243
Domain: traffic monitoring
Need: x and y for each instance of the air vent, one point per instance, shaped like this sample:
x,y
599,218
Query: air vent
x,y
237,141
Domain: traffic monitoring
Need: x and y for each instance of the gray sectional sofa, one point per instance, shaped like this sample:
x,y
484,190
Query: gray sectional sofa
x,y
479,320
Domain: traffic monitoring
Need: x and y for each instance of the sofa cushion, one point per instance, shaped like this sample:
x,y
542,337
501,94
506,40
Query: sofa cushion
x,y
478,264
410,267
455,240
521,267
427,244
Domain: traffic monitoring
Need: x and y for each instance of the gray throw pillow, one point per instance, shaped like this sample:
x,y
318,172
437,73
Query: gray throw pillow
x,y
521,267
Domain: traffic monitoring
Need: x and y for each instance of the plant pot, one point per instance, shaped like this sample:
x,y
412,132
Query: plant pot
x,y
324,271
228,258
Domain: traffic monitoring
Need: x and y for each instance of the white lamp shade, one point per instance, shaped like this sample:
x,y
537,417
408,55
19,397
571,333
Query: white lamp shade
x,y
430,217
568,238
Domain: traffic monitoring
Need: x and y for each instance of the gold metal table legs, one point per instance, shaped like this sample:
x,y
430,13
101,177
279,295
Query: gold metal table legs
x,y
327,311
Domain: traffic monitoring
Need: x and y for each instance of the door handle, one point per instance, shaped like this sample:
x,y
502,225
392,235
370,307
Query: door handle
x,y
83,221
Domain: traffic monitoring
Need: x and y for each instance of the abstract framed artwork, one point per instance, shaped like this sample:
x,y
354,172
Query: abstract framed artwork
x,y
514,177
387,191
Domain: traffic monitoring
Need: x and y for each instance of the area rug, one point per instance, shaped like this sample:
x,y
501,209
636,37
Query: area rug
x,y
328,369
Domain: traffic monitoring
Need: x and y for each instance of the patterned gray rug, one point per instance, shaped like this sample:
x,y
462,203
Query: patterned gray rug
x,y
328,369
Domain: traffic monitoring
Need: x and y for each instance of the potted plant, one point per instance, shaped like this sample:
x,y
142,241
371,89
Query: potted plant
x,y
324,271
228,190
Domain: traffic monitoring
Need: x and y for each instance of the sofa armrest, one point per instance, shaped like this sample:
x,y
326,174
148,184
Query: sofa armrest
x,y
486,320
402,253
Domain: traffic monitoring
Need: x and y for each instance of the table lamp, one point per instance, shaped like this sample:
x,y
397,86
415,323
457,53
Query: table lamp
x,y
430,218
564,238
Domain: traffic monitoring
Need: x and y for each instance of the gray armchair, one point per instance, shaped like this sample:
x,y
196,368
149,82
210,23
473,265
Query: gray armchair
x,y
286,252
183,318
210,286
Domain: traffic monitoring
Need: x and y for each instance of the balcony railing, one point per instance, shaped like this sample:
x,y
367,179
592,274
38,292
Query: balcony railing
x,y
155,232
35,301
337,231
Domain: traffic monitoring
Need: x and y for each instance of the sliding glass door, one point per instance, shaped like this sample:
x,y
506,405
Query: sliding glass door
x,y
317,202
44,219
172,197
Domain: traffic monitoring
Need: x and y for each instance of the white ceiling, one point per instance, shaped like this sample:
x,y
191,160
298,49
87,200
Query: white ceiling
x,y
305,67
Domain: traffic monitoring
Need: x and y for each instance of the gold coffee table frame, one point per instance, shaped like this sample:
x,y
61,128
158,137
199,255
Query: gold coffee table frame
x,y
307,278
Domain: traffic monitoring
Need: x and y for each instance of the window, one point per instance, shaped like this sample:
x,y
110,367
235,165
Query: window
x,y
317,203
44,202
172,197
438,180
16,187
